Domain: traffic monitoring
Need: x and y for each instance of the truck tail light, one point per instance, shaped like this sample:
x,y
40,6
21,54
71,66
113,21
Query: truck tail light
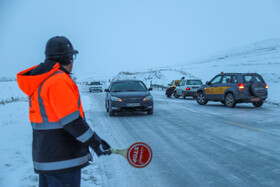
x,y
240,86
188,88
266,86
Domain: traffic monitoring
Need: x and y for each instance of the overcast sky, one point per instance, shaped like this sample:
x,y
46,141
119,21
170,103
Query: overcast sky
x,y
127,35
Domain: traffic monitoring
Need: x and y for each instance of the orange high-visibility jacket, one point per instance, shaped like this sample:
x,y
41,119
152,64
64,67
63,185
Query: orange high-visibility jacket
x,y
61,135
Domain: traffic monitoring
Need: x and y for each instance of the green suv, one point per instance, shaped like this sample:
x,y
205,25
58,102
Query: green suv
x,y
232,88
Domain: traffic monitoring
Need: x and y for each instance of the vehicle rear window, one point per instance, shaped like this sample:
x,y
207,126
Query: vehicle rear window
x,y
128,86
194,82
252,78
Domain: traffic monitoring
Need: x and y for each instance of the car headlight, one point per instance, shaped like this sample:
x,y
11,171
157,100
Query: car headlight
x,y
116,99
148,98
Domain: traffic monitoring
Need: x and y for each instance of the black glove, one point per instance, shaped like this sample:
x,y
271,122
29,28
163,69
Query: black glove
x,y
103,148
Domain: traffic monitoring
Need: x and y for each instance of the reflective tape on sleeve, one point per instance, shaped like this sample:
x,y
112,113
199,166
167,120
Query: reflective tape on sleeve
x,y
46,125
69,118
86,136
48,166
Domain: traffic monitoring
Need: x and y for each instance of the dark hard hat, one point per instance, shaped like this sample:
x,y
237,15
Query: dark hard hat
x,y
59,46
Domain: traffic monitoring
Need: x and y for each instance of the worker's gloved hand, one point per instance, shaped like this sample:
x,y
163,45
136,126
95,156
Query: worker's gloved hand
x,y
103,148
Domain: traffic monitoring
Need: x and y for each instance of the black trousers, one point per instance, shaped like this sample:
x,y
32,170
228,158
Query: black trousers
x,y
69,179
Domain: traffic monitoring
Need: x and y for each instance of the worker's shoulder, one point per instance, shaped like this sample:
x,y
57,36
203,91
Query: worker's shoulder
x,y
59,78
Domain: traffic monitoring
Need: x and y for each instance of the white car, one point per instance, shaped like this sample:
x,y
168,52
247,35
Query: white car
x,y
95,86
187,87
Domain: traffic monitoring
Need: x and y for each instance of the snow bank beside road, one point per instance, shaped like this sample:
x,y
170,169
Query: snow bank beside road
x,y
10,92
16,167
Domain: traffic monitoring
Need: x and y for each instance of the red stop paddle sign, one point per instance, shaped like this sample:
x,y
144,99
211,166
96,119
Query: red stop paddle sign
x,y
139,155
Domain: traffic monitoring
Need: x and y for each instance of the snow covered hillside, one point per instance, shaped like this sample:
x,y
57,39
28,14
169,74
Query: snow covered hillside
x,y
261,57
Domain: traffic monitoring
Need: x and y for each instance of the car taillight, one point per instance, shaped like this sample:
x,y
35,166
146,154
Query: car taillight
x,y
266,86
188,88
240,86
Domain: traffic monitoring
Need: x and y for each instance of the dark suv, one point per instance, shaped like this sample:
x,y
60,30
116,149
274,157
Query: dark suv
x,y
232,88
128,95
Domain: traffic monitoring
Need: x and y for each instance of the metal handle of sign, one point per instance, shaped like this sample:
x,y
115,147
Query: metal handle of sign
x,y
122,152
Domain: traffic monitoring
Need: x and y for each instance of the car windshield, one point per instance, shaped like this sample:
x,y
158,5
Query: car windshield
x,y
95,83
194,82
128,86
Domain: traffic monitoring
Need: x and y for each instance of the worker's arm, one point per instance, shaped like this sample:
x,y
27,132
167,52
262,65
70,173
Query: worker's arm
x,y
64,99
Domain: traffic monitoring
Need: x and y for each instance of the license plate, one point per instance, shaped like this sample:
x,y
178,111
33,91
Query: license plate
x,y
133,104
255,99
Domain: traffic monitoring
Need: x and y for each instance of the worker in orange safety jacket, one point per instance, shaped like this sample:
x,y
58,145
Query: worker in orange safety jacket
x,y
61,135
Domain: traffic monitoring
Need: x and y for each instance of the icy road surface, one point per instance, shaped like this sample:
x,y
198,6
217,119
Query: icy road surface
x,y
193,145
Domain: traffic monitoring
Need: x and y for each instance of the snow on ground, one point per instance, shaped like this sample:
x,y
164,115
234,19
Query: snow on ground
x,y
10,91
16,167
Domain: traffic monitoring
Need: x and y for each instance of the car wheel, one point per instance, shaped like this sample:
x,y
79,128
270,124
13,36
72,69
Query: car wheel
x,y
258,104
111,113
229,100
107,107
200,99
176,95
150,112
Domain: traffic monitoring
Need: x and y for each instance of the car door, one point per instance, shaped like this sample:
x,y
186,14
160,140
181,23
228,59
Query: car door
x,y
180,87
226,82
211,88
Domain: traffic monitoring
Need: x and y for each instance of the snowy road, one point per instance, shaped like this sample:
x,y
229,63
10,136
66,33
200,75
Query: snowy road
x,y
193,145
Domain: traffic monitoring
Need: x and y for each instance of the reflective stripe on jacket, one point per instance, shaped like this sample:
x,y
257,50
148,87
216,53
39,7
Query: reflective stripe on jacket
x,y
61,135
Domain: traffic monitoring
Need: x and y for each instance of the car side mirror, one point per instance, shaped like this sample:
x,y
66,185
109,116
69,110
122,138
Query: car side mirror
x,y
106,90
208,83
150,89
